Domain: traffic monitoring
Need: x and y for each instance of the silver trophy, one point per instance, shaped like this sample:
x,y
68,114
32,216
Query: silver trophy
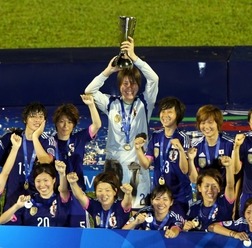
x,y
127,28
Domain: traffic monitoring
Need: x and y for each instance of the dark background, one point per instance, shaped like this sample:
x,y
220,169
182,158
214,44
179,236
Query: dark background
x,y
54,76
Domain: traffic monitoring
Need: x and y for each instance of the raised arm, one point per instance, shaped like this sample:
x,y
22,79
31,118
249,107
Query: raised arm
x,y
96,120
152,79
16,143
41,154
239,138
63,189
72,179
101,99
183,163
227,162
8,214
143,160
127,199
99,80
148,72
193,173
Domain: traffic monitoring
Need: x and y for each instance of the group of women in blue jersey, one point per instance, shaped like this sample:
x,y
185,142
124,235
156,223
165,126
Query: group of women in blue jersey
x,y
42,174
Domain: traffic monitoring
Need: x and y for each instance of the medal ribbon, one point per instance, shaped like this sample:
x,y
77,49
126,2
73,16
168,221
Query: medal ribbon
x,y
107,220
163,155
46,202
216,151
57,154
126,121
28,167
211,211
59,157
164,221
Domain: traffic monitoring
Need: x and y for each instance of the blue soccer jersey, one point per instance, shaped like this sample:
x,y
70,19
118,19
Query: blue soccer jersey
x,y
246,172
246,159
21,171
173,218
72,151
239,225
221,210
44,212
208,155
114,218
168,167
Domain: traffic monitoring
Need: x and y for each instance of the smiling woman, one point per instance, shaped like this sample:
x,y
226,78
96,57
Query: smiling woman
x,y
212,206
107,210
44,208
36,146
128,115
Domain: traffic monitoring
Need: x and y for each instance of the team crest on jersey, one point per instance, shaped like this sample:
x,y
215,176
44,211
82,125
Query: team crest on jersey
x,y
117,118
202,162
173,155
51,151
53,208
156,152
33,211
250,158
98,220
71,150
227,223
112,220
215,213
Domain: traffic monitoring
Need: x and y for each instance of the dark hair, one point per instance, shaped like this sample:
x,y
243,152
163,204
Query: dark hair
x,y
170,102
48,169
211,172
207,111
115,166
133,74
69,110
108,177
161,190
34,107
247,204
44,167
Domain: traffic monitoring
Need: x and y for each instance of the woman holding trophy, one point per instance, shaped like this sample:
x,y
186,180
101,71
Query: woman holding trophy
x,y
128,114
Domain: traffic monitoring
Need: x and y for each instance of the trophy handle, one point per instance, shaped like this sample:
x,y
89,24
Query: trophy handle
x,y
127,28
123,61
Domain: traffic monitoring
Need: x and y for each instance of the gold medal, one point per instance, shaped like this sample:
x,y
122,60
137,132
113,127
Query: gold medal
x,y
26,185
117,118
98,220
33,211
127,147
161,181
